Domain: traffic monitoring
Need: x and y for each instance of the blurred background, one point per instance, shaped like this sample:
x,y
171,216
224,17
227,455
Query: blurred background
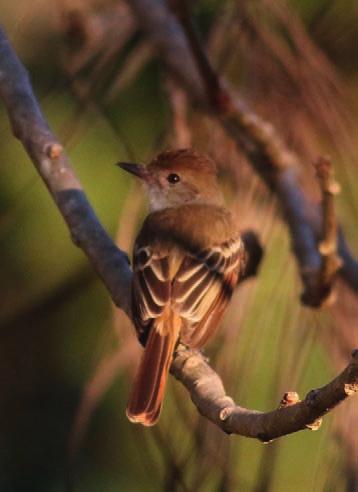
x,y
66,355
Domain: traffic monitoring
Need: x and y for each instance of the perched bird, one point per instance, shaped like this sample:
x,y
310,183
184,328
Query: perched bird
x,y
187,260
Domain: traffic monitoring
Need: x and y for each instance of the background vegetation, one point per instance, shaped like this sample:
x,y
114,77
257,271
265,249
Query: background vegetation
x,y
66,357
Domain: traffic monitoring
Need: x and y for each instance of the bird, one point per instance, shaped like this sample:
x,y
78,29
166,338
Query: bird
x,y
187,260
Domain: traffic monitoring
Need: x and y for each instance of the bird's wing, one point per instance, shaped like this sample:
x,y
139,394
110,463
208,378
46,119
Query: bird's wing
x,y
203,287
151,288
199,291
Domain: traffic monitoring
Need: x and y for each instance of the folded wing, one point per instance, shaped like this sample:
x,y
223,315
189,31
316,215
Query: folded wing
x,y
203,287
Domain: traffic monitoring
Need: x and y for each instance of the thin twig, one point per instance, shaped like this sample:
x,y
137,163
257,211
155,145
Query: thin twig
x,y
327,247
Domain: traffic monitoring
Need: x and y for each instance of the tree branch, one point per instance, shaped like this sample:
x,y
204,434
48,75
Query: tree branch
x,y
46,152
112,265
208,394
277,165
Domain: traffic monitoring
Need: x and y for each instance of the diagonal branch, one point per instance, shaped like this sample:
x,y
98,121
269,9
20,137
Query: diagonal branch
x,y
51,162
275,163
112,266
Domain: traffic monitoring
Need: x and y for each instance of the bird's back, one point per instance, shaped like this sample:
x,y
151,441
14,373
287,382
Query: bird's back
x,y
193,227
187,259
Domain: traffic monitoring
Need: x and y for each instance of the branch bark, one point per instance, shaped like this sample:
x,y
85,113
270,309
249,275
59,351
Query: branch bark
x,y
46,152
112,265
331,262
208,394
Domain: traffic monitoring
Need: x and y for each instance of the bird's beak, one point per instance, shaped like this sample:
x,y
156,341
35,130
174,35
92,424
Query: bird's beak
x,y
137,169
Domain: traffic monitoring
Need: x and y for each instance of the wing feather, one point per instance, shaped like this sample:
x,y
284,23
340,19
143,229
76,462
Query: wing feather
x,y
202,294
205,329
198,292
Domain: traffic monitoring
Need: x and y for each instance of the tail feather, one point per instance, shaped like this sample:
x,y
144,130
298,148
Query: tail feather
x,y
146,399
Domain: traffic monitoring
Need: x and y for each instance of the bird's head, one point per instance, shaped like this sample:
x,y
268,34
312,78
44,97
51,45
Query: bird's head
x,y
178,177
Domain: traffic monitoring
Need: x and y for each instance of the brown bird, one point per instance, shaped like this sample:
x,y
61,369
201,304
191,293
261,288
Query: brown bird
x,y
187,260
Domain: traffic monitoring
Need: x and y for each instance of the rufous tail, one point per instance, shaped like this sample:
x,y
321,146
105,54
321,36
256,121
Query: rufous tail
x,y
146,398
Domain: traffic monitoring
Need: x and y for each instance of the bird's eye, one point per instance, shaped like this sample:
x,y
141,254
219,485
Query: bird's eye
x,y
173,178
